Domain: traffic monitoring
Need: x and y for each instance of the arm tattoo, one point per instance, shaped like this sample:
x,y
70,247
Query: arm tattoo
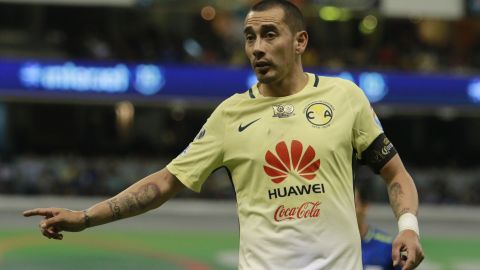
x,y
115,208
403,211
133,202
396,194
147,193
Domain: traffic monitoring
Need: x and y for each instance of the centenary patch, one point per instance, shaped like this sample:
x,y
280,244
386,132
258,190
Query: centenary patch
x,y
283,110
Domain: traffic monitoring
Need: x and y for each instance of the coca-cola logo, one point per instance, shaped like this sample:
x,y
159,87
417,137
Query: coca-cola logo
x,y
305,210
290,159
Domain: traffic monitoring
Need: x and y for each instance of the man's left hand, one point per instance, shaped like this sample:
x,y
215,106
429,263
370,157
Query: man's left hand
x,y
407,242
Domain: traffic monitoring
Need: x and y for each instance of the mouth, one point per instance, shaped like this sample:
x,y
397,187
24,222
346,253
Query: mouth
x,y
262,66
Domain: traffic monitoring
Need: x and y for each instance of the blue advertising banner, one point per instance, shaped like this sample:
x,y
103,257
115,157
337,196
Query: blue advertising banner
x,y
85,80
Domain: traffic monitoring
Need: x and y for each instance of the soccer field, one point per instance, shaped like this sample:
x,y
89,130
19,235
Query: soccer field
x,y
184,236
26,249
118,250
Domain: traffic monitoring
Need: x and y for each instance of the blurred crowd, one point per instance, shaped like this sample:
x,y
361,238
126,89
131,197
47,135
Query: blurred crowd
x,y
212,35
106,176
81,176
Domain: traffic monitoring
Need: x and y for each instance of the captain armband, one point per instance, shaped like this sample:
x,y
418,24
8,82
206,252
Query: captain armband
x,y
379,152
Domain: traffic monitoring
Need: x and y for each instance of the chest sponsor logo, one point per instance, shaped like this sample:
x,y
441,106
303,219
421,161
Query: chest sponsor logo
x,y
287,160
295,191
319,114
303,211
283,110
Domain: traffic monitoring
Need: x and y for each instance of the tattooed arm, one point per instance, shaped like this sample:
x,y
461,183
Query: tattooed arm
x,y
401,189
146,194
403,199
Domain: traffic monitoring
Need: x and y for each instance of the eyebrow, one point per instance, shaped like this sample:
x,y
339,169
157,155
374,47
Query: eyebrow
x,y
263,28
268,27
247,30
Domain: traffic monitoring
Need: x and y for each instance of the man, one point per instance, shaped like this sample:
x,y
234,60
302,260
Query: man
x,y
376,244
287,143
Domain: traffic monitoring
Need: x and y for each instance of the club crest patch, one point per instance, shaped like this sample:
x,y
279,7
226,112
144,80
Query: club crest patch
x,y
319,114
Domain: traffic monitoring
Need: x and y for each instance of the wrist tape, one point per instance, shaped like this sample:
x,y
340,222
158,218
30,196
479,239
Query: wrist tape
x,y
408,221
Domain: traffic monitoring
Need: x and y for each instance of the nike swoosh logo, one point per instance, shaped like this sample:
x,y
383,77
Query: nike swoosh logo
x,y
242,128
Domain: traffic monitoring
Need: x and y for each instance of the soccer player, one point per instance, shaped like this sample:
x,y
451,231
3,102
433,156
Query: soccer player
x,y
287,143
376,244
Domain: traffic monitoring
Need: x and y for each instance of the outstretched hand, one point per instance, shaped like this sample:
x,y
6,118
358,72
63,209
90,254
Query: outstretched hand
x,y
57,220
406,250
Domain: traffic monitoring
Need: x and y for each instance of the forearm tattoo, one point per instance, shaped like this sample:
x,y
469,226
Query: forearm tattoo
x,y
403,211
115,208
396,194
133,202
146,195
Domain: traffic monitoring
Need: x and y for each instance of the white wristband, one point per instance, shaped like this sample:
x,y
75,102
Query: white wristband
x,y
408,221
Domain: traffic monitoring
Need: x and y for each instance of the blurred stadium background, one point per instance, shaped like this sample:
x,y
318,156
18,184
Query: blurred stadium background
x,y
97,94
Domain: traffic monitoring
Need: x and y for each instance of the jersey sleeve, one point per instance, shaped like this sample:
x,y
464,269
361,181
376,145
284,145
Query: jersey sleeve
x,y
366,126
203,155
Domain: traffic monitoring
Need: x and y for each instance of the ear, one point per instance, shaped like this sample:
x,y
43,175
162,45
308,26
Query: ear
x,y
301,41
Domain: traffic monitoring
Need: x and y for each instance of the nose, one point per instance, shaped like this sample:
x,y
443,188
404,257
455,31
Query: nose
x,y
258,50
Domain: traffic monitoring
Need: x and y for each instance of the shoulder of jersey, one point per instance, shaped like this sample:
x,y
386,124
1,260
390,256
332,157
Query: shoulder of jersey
x,y
346,87
233,99
230,102
239,97
339,82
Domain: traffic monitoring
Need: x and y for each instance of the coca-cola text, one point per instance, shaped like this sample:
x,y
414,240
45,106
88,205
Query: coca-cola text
x,y
306,210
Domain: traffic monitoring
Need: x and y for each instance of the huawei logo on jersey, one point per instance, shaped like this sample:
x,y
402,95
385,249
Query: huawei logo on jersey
x,y
285,160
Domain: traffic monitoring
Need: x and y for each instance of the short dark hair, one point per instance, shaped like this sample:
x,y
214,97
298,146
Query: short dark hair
x,y
293,17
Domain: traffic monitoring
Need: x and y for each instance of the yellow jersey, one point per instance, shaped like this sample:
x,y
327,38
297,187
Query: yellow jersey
x,y
290,161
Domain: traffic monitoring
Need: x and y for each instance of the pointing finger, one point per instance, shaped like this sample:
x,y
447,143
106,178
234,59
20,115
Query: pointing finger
x,y
38,212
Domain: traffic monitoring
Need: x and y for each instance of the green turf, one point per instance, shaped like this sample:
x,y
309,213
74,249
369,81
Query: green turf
x,y
450,252
71,257
113,250
92,250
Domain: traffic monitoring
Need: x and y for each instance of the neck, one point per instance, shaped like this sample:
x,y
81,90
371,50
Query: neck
x,y
289,85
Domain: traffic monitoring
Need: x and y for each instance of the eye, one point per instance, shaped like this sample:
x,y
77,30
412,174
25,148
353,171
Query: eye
x,y
249,37
271,35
